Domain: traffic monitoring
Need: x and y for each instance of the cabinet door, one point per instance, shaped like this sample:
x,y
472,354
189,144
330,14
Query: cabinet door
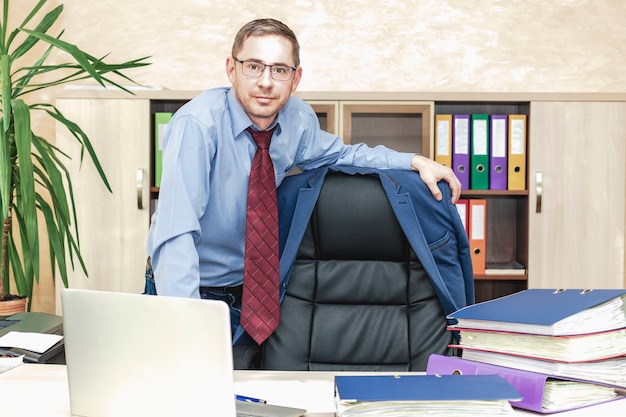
x,y
328,114
403,126
113,226
577,181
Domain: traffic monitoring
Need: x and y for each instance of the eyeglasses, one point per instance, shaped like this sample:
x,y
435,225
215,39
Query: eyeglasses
x,y
255,69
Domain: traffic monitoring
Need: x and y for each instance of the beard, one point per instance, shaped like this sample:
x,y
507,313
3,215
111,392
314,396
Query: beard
x,y
261,106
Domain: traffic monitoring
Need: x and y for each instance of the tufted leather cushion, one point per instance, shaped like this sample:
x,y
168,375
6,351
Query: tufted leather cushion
x,y
358,297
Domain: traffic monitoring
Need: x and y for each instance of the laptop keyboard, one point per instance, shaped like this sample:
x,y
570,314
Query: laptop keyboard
x,y
245,409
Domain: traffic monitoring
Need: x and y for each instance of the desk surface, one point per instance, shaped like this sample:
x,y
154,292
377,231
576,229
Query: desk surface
x,y
311,390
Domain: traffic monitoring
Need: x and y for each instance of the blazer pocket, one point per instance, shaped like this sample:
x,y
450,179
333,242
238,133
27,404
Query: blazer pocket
x,y
445,252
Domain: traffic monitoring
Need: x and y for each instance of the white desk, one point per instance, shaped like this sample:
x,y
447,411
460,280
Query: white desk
x,y
41,391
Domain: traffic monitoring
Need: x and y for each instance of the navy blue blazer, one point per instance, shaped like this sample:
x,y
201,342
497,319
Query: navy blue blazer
x,y
434,228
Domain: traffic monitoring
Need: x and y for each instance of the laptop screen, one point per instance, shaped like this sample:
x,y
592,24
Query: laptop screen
x,y
133,355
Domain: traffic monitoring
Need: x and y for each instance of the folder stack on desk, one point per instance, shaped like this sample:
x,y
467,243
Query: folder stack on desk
x,y
412,395
562,349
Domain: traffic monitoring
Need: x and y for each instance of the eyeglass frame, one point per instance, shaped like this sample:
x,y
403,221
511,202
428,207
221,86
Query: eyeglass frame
x,y
271,67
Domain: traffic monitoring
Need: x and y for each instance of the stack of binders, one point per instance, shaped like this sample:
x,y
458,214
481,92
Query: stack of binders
x,y
486,151
561,349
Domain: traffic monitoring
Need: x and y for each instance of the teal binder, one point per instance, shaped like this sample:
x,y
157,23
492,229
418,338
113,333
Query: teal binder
x,y
479,159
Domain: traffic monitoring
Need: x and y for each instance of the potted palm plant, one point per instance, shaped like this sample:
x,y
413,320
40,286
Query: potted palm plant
x,y
34,182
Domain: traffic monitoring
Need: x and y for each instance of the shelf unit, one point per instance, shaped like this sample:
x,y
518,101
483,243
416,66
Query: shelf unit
x,y
507,211
576,141
407,126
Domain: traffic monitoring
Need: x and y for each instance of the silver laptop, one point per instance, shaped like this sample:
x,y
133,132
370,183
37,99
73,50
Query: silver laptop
x,y
140,355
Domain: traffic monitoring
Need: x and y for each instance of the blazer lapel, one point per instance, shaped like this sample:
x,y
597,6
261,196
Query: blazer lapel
x,y
293,228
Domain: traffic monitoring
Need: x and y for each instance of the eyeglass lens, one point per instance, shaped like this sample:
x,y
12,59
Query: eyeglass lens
x,y
277,72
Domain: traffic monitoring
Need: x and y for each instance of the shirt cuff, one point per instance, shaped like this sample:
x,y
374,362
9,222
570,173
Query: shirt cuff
x,y
401,160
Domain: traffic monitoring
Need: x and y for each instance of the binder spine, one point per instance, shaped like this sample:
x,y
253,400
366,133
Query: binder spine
x,y
498,167
530,385
461,149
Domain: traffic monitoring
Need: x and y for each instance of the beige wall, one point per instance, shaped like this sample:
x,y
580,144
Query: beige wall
x,y
374,45
364,45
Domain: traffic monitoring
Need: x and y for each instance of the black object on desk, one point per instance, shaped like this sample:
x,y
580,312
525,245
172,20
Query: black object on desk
x,y
36,323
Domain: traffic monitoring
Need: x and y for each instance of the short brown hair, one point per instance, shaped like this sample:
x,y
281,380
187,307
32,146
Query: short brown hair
x,y
266,27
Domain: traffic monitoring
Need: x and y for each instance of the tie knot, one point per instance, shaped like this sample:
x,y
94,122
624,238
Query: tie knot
x,y
262,138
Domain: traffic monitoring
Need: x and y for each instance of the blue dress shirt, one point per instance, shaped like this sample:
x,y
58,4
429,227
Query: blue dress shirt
x,y
197,234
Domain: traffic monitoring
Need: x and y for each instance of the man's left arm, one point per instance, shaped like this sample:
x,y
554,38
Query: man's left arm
x,y
432,172
323,148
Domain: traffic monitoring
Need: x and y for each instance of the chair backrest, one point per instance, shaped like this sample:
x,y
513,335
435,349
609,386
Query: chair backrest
x,y
358,297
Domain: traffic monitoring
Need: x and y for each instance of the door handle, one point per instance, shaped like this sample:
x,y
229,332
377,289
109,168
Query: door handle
x,y
140,172
538,190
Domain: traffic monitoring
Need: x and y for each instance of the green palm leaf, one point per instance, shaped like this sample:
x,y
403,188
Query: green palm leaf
x,y
33,177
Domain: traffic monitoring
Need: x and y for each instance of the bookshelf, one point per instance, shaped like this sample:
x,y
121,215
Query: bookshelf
x,y
575,241
506,213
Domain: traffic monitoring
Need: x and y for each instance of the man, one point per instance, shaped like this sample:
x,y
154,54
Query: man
x,y
197,236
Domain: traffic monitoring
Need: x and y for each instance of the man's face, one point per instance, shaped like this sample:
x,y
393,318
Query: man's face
x,y
263,97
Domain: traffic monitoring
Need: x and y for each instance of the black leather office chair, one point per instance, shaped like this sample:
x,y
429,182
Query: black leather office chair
x,y
358,297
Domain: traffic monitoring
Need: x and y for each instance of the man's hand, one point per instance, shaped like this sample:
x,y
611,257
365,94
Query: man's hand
x,y
432,172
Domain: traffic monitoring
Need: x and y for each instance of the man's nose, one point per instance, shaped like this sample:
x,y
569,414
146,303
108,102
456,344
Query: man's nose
x,y
266,76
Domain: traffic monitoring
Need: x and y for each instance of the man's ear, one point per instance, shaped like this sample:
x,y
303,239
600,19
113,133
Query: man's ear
x,y
297,76
230,68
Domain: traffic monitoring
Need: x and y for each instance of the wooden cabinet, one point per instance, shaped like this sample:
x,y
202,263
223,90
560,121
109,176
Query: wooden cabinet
x,y
577,170
113,226
576,173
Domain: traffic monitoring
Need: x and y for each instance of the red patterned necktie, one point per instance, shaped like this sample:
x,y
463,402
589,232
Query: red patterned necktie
x,y
260,307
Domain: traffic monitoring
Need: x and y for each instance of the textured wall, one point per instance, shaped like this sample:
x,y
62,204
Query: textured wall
x,y
362,45
374,45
